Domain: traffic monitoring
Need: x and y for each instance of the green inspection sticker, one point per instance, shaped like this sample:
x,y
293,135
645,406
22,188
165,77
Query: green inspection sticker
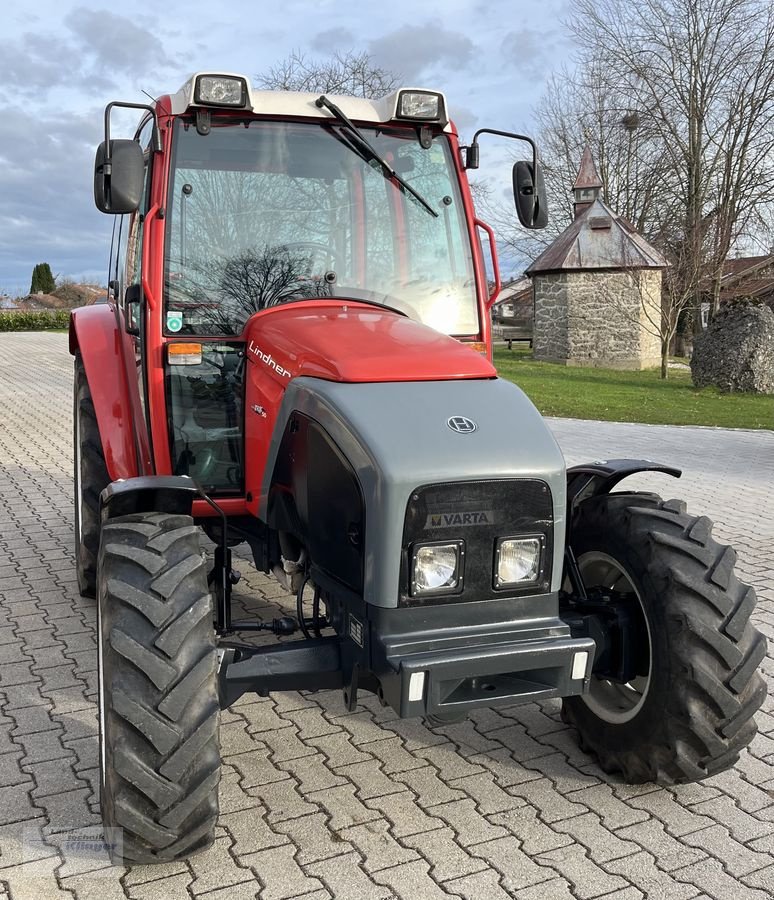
x,y
174,320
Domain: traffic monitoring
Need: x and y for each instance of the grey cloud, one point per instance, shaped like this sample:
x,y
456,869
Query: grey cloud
x,y
333,39
463,117
33,63
530,51
115,42
46,206
413,49
91,50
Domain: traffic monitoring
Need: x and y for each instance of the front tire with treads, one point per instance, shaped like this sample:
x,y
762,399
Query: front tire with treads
x,y
691,710
159,752
90,479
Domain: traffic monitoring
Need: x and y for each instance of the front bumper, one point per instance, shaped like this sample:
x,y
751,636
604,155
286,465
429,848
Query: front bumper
x,y
451,670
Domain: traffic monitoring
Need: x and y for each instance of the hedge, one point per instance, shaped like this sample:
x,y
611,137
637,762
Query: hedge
x,y
34,320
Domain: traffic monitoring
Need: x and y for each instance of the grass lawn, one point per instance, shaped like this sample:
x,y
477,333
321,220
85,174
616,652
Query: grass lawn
x,y
615,396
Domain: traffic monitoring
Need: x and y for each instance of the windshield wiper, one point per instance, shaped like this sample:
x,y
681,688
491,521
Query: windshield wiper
x,y
366,146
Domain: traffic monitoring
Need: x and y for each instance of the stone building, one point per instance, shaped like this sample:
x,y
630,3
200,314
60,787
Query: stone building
x,y
597,287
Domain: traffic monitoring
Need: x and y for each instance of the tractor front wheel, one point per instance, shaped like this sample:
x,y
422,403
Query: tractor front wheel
x,y
159,752
686,710
90,479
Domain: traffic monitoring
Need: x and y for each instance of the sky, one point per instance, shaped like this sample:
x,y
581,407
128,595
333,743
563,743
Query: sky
x,y
61,62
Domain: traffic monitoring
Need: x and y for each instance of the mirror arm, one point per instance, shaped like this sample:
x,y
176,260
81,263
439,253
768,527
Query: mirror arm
x,y
471,157
156,140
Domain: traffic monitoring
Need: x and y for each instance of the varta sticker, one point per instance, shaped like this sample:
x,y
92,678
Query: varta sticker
x,y
460,519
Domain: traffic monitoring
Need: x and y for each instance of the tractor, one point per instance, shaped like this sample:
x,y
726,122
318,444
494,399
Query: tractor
x,y
296,356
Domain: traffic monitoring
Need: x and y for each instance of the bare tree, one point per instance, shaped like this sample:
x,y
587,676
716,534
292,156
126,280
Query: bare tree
x,y
701,73
355,74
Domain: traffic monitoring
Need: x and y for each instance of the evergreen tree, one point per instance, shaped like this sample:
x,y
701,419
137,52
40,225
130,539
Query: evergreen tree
x,y
42,279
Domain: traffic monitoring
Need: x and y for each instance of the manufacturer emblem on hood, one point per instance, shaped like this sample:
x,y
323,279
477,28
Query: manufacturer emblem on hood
x,y
461,424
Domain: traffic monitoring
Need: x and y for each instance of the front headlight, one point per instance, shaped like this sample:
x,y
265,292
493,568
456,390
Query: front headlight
x,y
517,561
437,568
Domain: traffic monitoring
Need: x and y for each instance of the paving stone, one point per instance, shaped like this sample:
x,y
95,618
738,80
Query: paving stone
x,y
641,870
10,771
34,719
763,879
217,868
249,830
504,767
255,768
314,838
534,835
483,885
54,777
394,757
17,805
416,734
283,800
346,879
174,887
600,842
412,880
542,794
311,722
448,760
736,858
447,859
339,749
517,869
589,879
742,825
284,744
69,810
614,813
677,819
708,875
360,726
312,773
470,827
280,873
376,845
369,778
404,813
34,880
234,736
429,787
344,808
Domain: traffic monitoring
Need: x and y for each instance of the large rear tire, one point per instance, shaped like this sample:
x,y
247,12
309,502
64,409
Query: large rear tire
x,y
690,711
159,753
90,479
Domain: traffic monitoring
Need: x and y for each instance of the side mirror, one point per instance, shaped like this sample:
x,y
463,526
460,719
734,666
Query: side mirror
x,y
529,193
119,178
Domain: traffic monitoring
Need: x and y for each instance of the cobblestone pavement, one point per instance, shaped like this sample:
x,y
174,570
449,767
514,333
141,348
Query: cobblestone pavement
x,y
317,803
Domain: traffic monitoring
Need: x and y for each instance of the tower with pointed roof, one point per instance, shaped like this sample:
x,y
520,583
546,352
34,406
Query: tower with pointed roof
x,y
597,287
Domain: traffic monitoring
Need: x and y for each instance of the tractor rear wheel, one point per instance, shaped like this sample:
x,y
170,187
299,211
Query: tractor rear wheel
x,y
689,710
90,479
159,752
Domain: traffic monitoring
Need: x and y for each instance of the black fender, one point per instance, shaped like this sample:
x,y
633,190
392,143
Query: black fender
x,y
600,477
590,480
148,493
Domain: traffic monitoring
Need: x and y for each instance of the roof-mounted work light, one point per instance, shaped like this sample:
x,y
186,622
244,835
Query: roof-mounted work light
x,y
425,106
220,90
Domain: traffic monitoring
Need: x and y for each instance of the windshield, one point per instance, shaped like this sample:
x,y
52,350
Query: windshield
x,y
260,213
